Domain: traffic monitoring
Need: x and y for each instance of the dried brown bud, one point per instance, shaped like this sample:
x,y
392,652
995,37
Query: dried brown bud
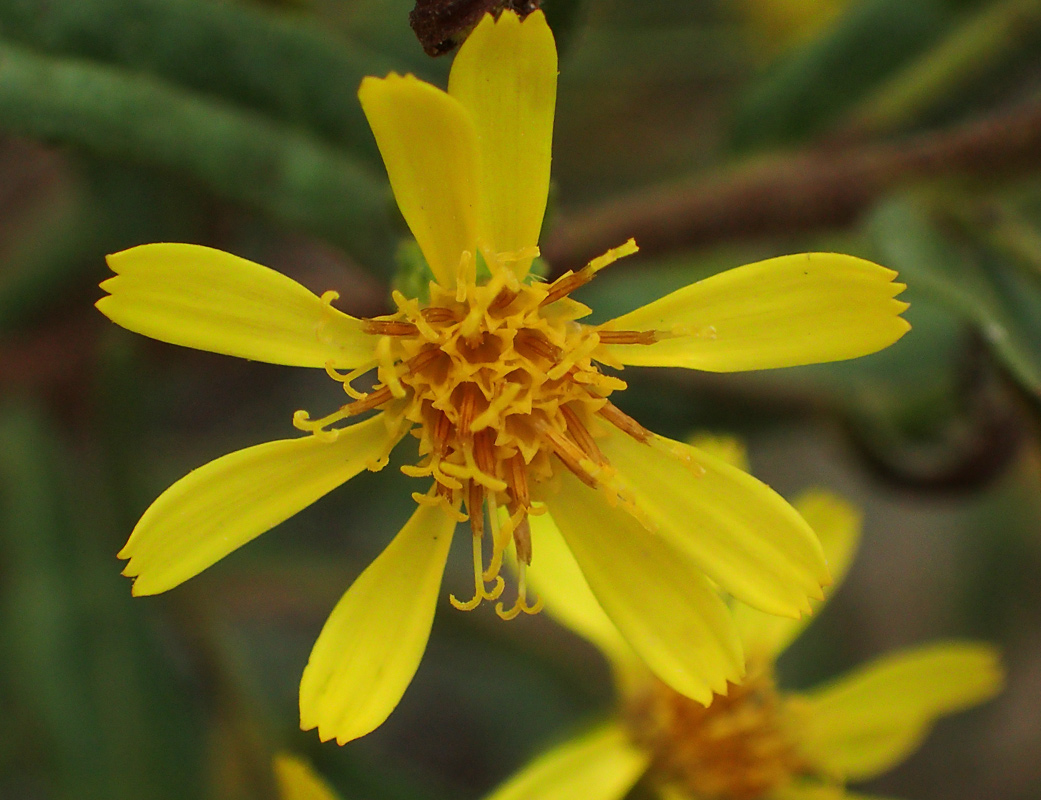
x,y
441,25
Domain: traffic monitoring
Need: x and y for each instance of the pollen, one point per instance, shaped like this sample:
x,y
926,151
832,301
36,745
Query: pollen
x,y
499,383
738,748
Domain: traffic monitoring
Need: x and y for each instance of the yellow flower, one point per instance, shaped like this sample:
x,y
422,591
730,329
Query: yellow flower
x,y
756,742
500,383
297,781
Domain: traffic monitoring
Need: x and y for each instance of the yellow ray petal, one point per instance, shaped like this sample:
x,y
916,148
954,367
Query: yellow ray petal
x,y
228,502
799,309
506,77
659,601
739,532
837,525
555,576
297,781
864,723
726,448
809,790
600,765
211,300
429,147
372,643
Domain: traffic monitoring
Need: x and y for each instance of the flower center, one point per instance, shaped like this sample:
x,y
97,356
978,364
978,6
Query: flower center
x,y
737,748
498,383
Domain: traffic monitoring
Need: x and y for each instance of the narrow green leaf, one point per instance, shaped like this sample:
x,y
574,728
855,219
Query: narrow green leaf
x,y
57,248
78,659
238,155
982,41
999,297
275,63
808,87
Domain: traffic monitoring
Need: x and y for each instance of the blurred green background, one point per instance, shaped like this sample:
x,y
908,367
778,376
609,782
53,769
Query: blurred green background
x,y
716,132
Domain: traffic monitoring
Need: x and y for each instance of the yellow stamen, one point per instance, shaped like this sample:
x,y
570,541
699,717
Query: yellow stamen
x,y
346,378
480,592
521,603
569,281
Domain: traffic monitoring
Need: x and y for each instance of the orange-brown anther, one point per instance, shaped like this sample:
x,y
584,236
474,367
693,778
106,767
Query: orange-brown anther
x,y
628,337
577,431
624,422
423,359
517,478
502,300
467,408
437,315
390,327
538,345
442,430
369,402
570,455
475,508
565,285
522,541
484,451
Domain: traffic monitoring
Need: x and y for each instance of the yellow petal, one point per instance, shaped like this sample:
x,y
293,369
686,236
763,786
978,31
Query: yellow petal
x,y
661,604
809,790
228,502
555,576
429,147
297,781
837,525
211,300
800,309
865,722
726,448
600,765
506,77
738,531
372,643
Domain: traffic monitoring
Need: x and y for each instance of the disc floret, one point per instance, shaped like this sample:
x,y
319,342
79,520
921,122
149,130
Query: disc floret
x,y
495,378
740,747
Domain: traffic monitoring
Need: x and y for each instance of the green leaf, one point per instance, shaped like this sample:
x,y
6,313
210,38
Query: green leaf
x,y
79,662
998,296
283,66
239,155
56,248
979,45
810,86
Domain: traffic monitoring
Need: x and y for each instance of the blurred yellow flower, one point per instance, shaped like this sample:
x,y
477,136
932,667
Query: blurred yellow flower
x,y
500,383
297,781
756,742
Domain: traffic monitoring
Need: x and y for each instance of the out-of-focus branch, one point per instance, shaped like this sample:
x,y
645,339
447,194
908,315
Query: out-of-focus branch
x,y
797,192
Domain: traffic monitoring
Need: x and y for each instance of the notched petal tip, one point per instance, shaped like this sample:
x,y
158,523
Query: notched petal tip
x,y
199,297
783,312
428,144
505,75
358,671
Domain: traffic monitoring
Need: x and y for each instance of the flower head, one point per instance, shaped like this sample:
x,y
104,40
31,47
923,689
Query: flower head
x,y
502,385
756,742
